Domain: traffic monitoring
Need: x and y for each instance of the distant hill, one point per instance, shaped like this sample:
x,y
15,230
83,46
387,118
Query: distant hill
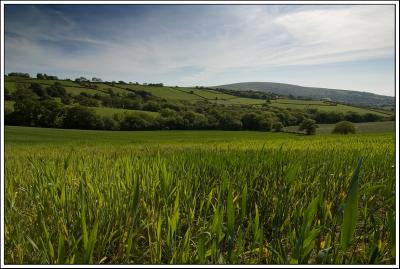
x,y
343,96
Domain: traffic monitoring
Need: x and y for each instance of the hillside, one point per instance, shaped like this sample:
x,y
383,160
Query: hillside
x,y
343,96
132,106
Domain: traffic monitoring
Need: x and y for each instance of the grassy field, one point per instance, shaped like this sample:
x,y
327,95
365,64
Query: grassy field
x,y
79,90
320,105
194,95
198,197
166,92
362,127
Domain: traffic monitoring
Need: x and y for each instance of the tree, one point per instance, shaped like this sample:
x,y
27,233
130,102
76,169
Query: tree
x,y
56,90
81,79
151,106
353,117
7,95
309,126
17,74
38,89
278,126
344,127
26,111
78,117
110,123
250,121
230,122
50,114
133,122
254,121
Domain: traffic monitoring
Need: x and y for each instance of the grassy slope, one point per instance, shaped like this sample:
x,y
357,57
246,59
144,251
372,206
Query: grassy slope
x,y
305,104
166,92
313,92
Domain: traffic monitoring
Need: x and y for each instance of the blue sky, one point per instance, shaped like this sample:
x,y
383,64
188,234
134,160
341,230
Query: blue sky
x,y
346,47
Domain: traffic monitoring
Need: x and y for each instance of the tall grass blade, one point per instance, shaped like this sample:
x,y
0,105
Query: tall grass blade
x,y
350,214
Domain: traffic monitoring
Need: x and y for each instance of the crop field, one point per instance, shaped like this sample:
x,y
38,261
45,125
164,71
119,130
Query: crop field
x,y
198,197
362,127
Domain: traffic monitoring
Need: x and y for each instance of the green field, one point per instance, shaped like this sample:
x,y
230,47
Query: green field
x,y
168,93
79,90
208,94
320,105
196,94
198,197
362,127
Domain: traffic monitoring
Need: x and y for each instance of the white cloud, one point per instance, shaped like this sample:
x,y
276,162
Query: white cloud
x,y
224,39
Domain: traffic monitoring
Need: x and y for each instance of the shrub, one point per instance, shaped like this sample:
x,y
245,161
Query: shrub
x,y
278,126
344,127
309,126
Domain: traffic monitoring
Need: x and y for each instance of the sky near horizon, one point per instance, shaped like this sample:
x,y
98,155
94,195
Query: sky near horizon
x,y
347,47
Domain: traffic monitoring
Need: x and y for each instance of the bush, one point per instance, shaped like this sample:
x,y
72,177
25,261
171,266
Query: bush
x,y
344,127
309,126
79,117
253,121
56,90
133,122
278,126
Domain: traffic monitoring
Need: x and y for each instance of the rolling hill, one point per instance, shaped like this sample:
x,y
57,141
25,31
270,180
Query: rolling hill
x,y
342,96
194,95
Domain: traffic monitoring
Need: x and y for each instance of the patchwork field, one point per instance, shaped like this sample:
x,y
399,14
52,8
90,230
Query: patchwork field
x,y
184,197
194,95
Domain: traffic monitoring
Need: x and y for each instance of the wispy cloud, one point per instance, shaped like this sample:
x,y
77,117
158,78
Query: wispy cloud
x,y
192,45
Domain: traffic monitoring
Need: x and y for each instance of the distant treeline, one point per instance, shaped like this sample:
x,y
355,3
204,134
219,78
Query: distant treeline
x,y
80,79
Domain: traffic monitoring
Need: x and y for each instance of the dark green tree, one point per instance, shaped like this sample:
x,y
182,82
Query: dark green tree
x,y
309,126
344,127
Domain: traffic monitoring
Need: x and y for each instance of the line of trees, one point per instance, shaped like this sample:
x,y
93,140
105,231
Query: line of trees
x,y
45,76
18,74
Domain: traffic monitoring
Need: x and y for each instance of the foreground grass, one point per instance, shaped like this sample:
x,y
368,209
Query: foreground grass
x,y
196,197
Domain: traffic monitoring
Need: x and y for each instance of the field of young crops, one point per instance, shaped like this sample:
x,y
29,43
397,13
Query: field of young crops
x,y
204,197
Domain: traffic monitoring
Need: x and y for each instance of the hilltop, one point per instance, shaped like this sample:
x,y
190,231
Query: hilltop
x,y
336,95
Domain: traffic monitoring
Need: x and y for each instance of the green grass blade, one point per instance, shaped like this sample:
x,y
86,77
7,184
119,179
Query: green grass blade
x,y
350,214
230,213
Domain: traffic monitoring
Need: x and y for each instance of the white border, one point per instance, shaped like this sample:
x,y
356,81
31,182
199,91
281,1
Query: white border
x,y
2,265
